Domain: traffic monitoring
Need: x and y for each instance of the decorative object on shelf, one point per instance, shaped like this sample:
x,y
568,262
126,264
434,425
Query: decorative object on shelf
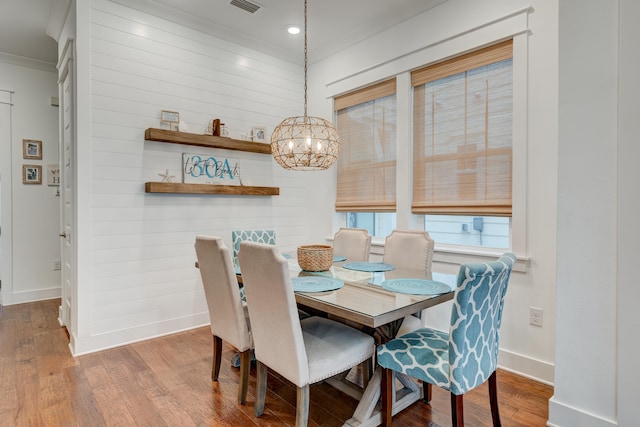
x,y
182,126
32,174
200,169
166,177
31,149
171,118
216,128
303,142
258,134
53,174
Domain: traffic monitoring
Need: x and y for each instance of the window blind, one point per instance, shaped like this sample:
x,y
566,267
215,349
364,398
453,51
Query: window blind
x,y
462,131
366,122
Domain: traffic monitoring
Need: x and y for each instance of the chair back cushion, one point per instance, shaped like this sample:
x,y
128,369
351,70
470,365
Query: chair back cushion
x,y
475,322
273,312
409,250
352,243
226,312
260,236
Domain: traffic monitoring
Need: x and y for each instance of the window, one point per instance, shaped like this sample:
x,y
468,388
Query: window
x,y
378,224
366,121
483,231
462,147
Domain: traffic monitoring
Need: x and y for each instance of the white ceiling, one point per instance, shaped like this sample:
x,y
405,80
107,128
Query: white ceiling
x,y
332,24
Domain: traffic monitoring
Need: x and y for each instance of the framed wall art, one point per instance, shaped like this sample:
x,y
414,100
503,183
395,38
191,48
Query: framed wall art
x,y
171,118
31,174
258,134
31,149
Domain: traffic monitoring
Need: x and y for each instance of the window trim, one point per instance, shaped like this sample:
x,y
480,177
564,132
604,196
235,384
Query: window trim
x,y
514,26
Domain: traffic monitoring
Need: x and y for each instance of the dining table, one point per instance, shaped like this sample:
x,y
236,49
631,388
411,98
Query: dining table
x,y
376,302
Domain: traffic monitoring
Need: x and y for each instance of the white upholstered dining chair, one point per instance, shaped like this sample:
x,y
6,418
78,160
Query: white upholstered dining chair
x,y
412,250
228,315
302,351
352,243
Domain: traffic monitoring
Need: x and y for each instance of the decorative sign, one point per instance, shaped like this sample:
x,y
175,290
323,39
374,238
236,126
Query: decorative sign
x,y
53,174
202,169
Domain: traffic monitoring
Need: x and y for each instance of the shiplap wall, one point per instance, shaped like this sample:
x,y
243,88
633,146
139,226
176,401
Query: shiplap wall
x,y
143,278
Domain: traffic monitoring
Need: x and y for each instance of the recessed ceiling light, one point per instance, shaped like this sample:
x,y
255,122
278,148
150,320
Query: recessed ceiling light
x,y
293,29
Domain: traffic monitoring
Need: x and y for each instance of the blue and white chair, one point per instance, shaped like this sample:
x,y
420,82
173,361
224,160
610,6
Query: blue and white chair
x,y
259,236
465,357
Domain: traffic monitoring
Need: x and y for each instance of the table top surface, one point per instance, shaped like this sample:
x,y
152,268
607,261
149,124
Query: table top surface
x,y
363,300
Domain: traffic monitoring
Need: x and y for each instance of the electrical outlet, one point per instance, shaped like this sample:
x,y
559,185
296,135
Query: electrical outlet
x,y
57,265
535,316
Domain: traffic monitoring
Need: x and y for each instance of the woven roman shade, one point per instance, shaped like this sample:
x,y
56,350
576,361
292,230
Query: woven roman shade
x,y
366,121
462,129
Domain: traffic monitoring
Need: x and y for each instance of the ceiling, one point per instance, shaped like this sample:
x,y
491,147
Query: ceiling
x,y
332,24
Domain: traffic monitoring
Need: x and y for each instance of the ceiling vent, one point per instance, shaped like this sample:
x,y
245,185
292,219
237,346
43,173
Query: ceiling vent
x,y
246,5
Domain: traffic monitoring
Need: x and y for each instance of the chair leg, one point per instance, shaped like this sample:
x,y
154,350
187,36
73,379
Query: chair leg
x,y
387,396
245,366
493,398
367,367
217,357
302,406
426,392
457,415
261,388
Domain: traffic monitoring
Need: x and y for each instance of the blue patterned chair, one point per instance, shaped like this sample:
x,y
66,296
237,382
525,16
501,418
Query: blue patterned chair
x,y
465,357
259,236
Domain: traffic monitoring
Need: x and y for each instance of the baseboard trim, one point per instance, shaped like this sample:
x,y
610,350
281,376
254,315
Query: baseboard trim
x,y
526,366
93,343
561,414
32,296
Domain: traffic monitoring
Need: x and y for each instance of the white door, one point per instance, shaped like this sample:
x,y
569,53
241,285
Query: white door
x,y
66,84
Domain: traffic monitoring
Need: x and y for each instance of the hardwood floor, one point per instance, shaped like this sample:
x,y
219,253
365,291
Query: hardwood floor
x,y
167,382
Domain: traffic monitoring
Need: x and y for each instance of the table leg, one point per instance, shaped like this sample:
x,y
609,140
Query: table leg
x,y
367,413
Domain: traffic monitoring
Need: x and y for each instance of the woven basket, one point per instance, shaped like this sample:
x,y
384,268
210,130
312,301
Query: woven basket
x,y
315,257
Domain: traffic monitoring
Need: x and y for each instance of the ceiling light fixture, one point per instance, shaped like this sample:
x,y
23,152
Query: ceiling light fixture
x,y
293,29
305,143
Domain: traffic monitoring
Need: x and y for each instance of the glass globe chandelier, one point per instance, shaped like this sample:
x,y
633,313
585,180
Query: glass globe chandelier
x,y
305,143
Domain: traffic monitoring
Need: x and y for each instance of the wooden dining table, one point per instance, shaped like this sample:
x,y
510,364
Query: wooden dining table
x,y
364,302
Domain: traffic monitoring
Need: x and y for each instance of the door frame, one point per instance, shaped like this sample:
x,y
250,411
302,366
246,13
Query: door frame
x,y
6,183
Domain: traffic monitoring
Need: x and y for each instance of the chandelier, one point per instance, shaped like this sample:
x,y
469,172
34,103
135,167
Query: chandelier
x,y
305,143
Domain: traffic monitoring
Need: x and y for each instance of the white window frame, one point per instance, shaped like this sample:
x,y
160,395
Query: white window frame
x,y
515,26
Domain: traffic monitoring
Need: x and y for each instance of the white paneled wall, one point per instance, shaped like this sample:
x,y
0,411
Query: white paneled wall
x,y
143,280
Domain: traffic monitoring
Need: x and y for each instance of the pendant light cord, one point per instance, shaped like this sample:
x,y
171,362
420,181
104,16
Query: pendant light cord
x,y
305,58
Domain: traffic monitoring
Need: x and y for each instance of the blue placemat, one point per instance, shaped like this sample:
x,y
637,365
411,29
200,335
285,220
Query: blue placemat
x,y
339,258
316,284
416,286
368,266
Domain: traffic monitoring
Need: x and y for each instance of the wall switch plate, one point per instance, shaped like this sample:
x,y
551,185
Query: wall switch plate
x,y
57,265
535,316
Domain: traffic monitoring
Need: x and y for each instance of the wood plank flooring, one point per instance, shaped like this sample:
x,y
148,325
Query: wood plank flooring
x,y
167,382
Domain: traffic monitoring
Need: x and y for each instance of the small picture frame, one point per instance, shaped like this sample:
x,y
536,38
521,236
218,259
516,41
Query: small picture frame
x,y
31,149
32,174
258,134
172,118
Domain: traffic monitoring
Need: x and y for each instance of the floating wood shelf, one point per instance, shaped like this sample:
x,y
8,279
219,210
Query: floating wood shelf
x,y
185,138
173,187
